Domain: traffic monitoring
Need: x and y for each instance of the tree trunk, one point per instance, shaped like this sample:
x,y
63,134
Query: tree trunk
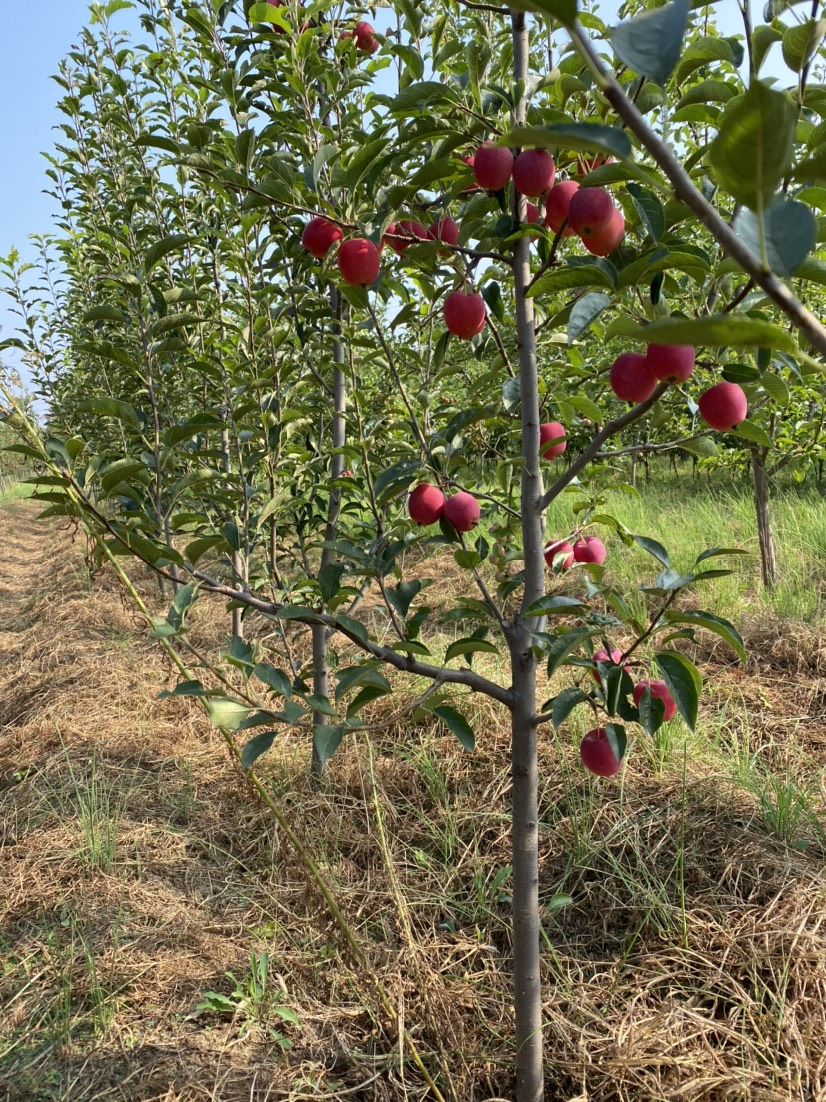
x,y
768,557
525,796
319,631
237,565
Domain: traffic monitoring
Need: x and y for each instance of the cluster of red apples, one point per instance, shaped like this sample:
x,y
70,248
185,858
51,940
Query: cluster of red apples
x,y
427,505
595,750
634,378
587,212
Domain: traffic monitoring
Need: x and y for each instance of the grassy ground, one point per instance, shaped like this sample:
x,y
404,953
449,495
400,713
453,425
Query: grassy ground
x,y
688,515
161,941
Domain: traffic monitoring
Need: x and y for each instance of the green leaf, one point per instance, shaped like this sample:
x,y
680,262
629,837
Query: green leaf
x,y
273,678
226,713
617,739
754,145
326,740
198,548
185,688
422,96
652,712
569,279
751,431
776,389
105,313
470,646
365,673
585,311
467,558
563,10
366,696
650,210
112,407
654,548
801,41
684,683
651,43
722,331
329,580
561,646
257,745
813,169
715,552
458,725
549,605
763,38
586,136
790,232
703,446
583,404
402,595
726,630
564,704
155,253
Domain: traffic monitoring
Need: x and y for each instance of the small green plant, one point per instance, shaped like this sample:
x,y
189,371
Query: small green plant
x,y
100,809
254,1000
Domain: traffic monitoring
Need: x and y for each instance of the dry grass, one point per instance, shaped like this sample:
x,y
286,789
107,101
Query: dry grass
x,y
690,962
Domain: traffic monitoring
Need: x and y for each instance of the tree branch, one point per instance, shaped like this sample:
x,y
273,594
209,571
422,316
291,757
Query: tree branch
x,y
592,451
778,292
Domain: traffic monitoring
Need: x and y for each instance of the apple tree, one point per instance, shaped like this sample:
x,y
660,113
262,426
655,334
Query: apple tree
x,y
331,299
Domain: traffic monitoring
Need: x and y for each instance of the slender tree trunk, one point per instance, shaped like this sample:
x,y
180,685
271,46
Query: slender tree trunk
x,y
525,796
320,672
237,564
768,556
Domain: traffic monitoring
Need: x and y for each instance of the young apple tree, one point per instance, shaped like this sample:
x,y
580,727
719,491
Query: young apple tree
x,y
335,322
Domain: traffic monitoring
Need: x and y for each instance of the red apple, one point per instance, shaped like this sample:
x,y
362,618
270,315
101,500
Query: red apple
x,y
531,213
359,262
319,236
604,242
659,689
590,211
556,206
464,314
462,511
597,755
445,229
492,166
426,504
401,235
631,377
559,547
602,655
533,171
590,549
724,406
365,37
673,363
550,431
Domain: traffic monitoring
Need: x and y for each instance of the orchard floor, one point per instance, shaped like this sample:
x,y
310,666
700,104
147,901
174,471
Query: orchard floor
x,y
685,907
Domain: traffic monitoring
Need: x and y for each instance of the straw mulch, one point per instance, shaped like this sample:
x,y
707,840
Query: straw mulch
x,y
138,870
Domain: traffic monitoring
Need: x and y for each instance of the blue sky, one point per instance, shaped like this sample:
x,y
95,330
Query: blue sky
x,y
31,47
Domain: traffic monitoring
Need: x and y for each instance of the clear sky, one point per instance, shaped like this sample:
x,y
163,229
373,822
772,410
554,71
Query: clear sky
x,y
31,47
35,37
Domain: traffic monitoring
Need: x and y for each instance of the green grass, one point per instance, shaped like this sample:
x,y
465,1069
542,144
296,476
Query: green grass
x,y
14,491
688,515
